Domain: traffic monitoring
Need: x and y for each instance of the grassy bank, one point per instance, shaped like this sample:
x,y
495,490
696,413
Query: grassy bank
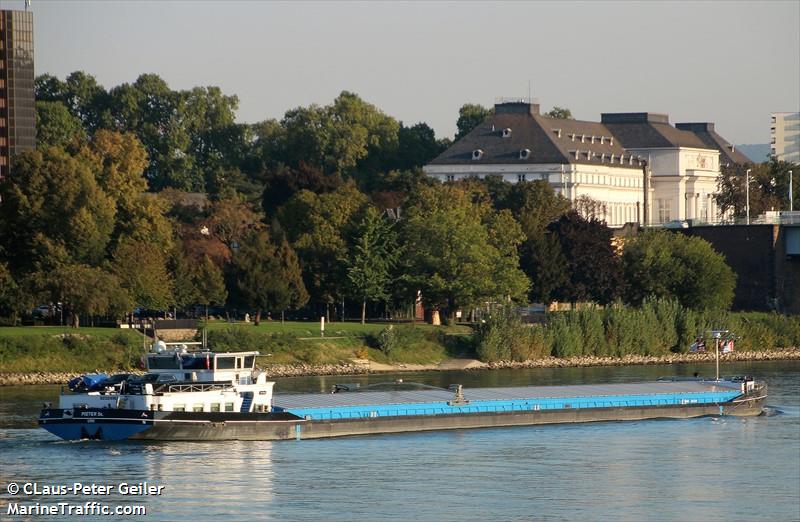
x,y
657,329
59,349
56,349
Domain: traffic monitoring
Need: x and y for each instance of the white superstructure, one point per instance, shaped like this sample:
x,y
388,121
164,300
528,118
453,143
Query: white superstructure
x,y
180,380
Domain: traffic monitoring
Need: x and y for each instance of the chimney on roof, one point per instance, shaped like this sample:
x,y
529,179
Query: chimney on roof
x,y
696,127
633,117
516,107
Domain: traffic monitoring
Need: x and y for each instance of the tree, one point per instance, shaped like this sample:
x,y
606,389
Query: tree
x,y
282,182
671,265
210,284
119,161
15,297
594,271
543,262
350,136
142,270
560,113
535,205
417,145
470,115
314,225
769,188
54,211
590,208
257,276
372,255
292,272
85,290
452,256
56,126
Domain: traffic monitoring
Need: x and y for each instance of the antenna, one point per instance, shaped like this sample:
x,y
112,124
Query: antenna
x,y
529,90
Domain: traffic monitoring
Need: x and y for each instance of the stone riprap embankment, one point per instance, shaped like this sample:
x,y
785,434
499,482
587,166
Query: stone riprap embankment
x,y
676,358
363,367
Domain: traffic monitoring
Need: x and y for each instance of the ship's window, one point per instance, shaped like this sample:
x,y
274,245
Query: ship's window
x,y
197,407
228,406
226,363
249,361
190,362
160,407
214,406
161,362
179,407
238,362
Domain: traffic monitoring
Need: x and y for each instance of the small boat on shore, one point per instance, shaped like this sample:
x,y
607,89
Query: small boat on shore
x,y
204,395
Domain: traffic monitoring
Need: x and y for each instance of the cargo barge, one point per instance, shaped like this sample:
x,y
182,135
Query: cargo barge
x,y
221,396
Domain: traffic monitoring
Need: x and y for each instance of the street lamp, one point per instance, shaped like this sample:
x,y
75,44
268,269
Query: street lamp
x,y
747,194
791,194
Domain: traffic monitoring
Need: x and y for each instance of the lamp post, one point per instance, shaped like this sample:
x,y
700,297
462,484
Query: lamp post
x,y
747,194
791,194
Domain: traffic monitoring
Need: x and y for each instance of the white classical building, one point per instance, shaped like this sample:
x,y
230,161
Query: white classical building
x,y
605,161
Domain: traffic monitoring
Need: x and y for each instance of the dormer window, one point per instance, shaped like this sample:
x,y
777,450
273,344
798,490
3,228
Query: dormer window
x,y
477,154
506,133
524,154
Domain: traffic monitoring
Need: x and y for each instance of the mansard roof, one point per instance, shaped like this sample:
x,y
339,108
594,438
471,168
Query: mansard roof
x,y
705,131
518,127
516,134
647,130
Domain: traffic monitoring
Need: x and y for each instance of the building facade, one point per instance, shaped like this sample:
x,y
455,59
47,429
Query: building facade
x,y
17,103
785,136
608,161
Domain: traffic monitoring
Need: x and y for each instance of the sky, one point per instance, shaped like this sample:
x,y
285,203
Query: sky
x,y
732,63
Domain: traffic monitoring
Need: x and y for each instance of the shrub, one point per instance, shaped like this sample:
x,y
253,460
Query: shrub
x,y
388,340
504,337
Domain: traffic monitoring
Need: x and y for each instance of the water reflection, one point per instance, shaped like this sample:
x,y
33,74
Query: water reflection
x,y
731,468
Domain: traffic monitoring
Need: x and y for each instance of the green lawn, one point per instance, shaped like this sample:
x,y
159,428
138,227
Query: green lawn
x,y
46,348
334,329
29,331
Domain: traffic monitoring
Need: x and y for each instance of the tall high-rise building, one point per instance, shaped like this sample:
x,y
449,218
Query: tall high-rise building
x,y
17,104
785,133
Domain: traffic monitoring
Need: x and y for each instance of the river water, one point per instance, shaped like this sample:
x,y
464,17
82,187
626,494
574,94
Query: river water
x,y
726,469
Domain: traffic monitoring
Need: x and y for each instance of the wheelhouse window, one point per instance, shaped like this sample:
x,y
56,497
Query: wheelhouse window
x,y
226,363
249,361
162,362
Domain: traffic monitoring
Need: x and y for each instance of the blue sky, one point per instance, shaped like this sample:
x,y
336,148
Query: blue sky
x,y
728,62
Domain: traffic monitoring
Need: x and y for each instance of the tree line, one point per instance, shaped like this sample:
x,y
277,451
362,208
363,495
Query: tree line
x,y
327,205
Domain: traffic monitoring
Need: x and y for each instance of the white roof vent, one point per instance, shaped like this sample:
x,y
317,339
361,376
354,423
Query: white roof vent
x,y
558,132
477,154
524,153
506,133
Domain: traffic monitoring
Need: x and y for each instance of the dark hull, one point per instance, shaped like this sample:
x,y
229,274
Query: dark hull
x,y
112,424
